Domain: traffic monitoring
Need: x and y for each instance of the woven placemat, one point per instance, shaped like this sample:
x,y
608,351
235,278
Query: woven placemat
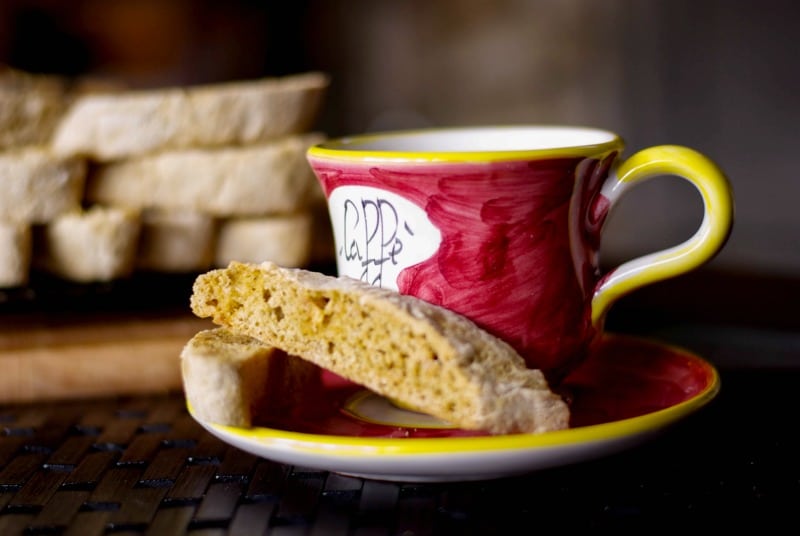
x,y
142,465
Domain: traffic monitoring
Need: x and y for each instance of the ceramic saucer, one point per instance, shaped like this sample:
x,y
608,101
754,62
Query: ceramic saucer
x,y
626,392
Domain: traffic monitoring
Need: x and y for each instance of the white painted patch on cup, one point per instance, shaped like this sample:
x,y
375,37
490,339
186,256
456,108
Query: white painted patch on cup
x,y
379,233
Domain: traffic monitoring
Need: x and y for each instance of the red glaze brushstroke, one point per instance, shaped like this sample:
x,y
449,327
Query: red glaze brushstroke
x,y
623,377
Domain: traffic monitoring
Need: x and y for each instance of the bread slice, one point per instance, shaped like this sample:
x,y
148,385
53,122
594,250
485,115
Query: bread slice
x,y
229,379
176,241
95,245
37,186
136,122
425,357
15,254
233,181
283,239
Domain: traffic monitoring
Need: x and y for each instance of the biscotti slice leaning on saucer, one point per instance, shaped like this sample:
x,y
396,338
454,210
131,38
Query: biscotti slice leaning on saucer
x,y
250,180
423,356
229,379
109,127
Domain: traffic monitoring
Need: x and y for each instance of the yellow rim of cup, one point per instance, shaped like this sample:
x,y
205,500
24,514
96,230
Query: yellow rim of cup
x,y
346,148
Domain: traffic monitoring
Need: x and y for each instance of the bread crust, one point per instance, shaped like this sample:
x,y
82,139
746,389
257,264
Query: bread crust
x,y
426,357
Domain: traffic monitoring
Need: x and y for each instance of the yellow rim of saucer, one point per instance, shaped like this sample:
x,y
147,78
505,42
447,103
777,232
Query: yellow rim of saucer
x,y
349,446
340,148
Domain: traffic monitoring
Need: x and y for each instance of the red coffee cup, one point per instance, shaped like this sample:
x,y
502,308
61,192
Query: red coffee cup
x,y
503,225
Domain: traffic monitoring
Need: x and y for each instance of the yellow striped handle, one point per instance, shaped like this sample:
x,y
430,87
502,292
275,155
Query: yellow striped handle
x,y
706,242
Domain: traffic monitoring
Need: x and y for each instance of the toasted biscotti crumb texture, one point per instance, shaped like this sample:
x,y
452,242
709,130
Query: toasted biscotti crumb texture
x,y
424,356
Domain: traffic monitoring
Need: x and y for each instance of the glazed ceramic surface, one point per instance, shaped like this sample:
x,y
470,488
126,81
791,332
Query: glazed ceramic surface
x,y
624,393
503,224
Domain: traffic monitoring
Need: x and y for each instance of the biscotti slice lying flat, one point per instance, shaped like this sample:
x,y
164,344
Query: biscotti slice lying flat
x,y
233,181
111,127
229,379
15,254
421,355
30,107
98,244
176,241
283,239
37,186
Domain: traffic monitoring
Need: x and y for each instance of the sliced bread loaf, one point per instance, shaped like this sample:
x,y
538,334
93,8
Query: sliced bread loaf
x,y
425,357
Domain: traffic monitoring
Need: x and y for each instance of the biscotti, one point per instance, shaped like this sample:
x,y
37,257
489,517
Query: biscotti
x,y
426,357
253,180
283,239
98,244
37,186
15,253
176,241
180,160
30,107
229,379
133,123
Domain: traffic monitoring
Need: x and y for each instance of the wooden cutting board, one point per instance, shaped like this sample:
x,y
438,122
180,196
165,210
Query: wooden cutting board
x,y
48,357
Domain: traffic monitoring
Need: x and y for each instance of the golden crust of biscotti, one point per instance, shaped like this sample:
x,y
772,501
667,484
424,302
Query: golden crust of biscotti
x,y
425,357
231,379
109,127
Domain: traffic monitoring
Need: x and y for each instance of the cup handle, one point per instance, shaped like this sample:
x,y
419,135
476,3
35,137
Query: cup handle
x,y
711,236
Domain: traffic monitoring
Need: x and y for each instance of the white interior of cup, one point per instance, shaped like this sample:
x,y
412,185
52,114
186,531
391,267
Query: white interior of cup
x,y
478,139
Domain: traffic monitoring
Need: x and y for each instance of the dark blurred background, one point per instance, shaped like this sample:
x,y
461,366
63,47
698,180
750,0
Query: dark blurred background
x,y
719,76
